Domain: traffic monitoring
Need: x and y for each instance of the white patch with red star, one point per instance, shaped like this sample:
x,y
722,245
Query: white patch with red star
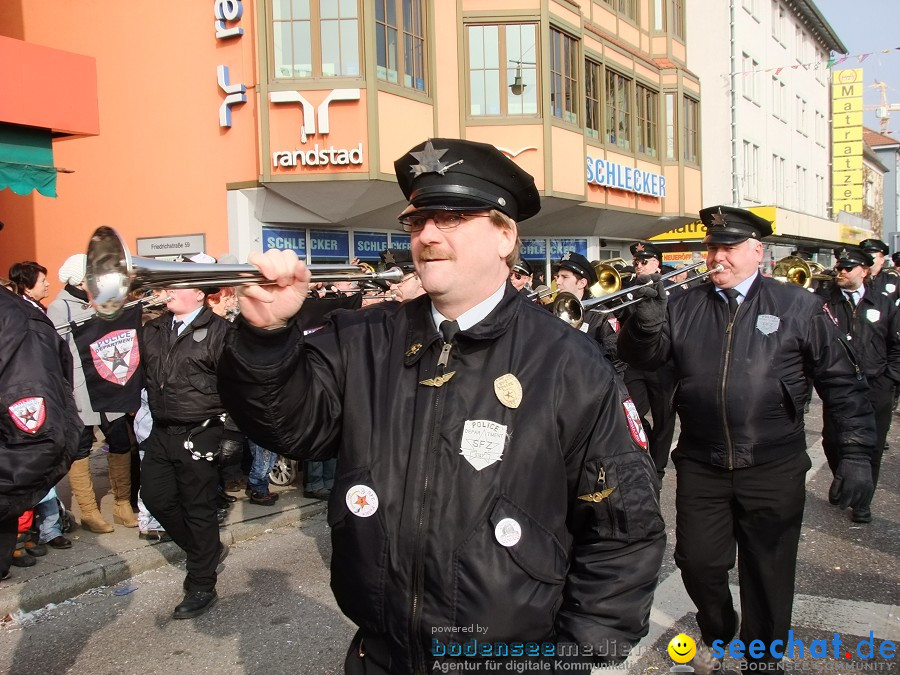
x,y
634,423
29,414
362,501
116,355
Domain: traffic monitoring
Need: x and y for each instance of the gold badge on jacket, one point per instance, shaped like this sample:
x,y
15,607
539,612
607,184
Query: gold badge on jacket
x,y
597,496
438,381
508,390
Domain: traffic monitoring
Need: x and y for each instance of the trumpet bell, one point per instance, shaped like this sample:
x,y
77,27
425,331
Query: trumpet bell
x,y
609,280
568,308
793,270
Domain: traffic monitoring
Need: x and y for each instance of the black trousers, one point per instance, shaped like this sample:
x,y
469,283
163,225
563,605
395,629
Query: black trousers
x,y
881,395
652,393
756,512
180,492
117,434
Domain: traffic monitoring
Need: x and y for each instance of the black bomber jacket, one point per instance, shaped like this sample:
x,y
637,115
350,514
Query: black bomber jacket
x,y
536,518
741,388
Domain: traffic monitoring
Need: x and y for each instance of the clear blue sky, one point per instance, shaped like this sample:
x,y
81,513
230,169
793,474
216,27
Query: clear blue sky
x,y
869,26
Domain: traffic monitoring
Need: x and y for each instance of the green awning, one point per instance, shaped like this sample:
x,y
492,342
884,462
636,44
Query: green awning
x,y
26,160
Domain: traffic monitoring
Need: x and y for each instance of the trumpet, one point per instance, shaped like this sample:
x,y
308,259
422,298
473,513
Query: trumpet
x,y
112,272
148,302
571,310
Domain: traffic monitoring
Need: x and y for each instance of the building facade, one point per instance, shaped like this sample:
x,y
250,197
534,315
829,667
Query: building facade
x,y
241,125
766,114
887,150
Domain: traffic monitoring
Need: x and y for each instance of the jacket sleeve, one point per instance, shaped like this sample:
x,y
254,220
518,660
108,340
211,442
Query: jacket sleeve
x,y
893,344
839,381
619,534
282,394
643,350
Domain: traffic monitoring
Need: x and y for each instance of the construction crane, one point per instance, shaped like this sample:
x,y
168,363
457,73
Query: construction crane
x,y
884,109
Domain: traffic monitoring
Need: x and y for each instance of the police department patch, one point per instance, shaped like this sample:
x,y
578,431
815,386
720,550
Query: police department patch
x,y
767,324
482,442
873,315
116,356
634,424
890,288
29,414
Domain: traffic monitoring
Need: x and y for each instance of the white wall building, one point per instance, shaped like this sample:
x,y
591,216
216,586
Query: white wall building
x,y
765,134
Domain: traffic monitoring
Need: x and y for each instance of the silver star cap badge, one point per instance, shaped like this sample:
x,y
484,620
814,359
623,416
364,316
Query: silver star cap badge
x,y
429,160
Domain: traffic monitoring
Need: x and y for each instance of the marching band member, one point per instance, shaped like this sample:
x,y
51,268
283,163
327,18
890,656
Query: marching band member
x,y
561,541
742,348
521,276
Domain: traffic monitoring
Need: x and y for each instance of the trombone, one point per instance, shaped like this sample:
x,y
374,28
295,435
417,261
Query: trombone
x,y
112,272
609,280
798,271
571,310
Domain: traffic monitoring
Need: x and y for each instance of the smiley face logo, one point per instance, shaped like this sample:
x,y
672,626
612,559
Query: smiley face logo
x,y
682,648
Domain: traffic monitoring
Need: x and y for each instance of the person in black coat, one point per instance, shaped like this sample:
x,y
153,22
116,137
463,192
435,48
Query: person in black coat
x,y
871,322
742,348
40,426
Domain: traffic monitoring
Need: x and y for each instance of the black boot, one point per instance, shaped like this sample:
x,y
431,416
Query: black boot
x,y
195,603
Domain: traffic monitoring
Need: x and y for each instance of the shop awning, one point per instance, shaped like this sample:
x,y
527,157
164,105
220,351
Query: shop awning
x,y
26,160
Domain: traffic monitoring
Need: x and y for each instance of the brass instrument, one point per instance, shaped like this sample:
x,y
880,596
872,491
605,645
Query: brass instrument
x,y
798,271
112,273
890,271
148,302
571,310
609,276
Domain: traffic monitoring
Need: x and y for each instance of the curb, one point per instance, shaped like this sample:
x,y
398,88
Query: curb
x,y
58,586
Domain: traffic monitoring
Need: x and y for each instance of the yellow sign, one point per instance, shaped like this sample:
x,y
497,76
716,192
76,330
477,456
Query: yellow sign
x,y
848,205
844,135
845,105
674,257
848,163
848,76
696,230
841,91
852,235
849,119
847,192
850,149
854,177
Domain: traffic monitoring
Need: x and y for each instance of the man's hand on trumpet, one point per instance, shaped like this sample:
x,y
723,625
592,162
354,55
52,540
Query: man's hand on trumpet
x,y
650,314
270,306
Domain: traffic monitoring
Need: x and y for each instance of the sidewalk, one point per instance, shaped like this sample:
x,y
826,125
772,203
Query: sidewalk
x,y
106,559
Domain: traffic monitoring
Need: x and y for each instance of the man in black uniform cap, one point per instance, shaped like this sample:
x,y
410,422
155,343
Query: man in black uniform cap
x,y
652,389
872,325
521,275
880,280
895,258
561,541
742,348
410,286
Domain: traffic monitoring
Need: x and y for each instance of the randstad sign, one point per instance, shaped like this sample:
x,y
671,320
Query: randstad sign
x,y
316,122
608,174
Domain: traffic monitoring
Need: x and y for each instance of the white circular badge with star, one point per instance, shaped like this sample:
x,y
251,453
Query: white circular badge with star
x,y
362,501
508,532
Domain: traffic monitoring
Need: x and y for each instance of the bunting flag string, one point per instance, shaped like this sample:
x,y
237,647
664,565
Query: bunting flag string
x,y
832,62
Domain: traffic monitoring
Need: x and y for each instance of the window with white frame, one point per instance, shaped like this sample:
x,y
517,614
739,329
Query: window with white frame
x,y
618,109
400,22
800,187
671,128
820,196
778,179
564,90
593,86
751,171
647,120
691,115
502,68
750,66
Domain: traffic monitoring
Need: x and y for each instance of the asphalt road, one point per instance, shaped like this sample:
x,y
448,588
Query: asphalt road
x,y
276,613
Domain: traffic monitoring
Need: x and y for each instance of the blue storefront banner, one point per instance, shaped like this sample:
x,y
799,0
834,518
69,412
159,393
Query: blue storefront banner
x,y
285,238
400,241
534,250
559,246
329,245
369,245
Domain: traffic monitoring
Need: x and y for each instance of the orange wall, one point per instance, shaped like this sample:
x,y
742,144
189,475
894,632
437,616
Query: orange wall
x,y
159,167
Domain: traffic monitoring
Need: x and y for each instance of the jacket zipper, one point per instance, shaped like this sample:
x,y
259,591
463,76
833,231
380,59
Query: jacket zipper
x,y
729,336
419,664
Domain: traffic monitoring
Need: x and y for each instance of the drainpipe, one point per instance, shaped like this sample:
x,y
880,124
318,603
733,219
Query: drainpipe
x,y
735,190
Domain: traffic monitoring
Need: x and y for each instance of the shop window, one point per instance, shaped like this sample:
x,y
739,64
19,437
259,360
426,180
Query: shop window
x,y
618,109
315,38
647,114
502,67
563,76
400,22
593,84
558,248
691,116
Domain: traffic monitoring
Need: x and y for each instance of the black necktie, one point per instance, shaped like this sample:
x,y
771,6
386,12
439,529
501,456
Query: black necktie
x,y
851,296
732,295
449,329
176,327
